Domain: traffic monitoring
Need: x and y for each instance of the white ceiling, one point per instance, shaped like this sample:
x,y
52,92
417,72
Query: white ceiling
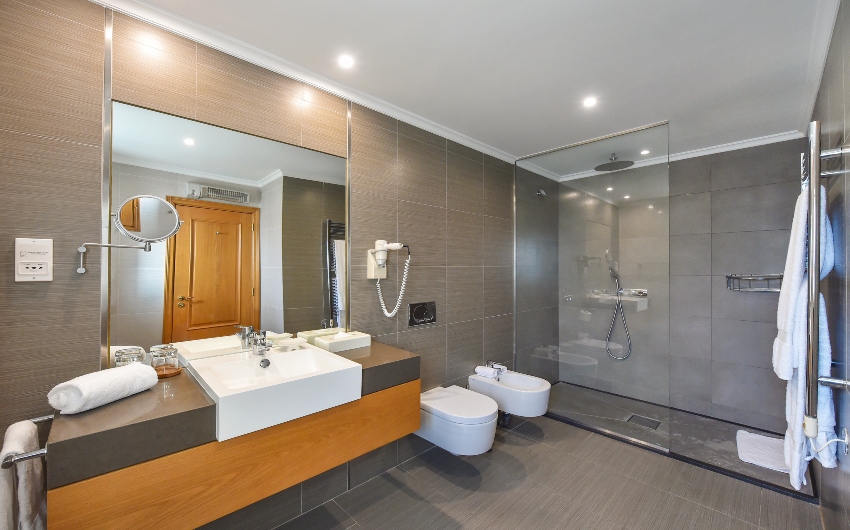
x,y
151,139
579,161
508,77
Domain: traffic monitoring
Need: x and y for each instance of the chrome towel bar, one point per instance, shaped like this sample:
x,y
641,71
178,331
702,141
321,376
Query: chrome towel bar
x,y
11,460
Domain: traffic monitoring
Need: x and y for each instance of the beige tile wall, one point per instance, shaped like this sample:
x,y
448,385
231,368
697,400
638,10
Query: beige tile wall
x,y
51,87
454,207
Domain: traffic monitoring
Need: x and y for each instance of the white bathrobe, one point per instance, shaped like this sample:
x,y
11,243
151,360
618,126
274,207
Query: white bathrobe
x,y
789,353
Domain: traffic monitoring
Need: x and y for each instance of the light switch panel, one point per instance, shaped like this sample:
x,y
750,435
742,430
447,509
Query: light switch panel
x,y
33,260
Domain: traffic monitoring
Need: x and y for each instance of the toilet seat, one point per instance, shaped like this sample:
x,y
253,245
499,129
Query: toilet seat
x,y
459,405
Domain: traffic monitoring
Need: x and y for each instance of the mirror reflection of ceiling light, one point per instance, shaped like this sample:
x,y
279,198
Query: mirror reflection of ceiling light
x,y
609,189
625,196
645,152
589,101
345,60
189,141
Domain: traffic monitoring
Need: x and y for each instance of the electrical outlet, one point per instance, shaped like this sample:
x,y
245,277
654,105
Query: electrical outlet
x,y
33,260
34,268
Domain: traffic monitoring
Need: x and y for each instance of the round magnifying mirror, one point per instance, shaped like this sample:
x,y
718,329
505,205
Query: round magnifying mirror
x,y
147,219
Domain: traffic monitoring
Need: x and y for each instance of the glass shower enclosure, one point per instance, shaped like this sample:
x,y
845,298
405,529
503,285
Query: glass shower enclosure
x,y
592,281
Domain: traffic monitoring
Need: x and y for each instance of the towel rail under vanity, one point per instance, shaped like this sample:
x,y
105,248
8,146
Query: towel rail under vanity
x,y
11,460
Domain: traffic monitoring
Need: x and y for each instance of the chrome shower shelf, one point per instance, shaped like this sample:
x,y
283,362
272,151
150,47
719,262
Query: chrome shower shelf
x,y
754,283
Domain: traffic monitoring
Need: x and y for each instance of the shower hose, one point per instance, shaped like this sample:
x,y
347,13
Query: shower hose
x,y
390,314
618,307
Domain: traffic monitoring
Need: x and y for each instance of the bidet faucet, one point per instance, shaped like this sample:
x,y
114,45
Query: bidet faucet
x,y
501,368
259,345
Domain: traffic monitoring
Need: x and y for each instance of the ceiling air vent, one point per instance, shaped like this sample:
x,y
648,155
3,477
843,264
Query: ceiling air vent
x,y
225,195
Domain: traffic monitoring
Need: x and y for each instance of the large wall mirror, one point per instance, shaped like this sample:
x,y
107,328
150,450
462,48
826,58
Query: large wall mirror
x,y
263,238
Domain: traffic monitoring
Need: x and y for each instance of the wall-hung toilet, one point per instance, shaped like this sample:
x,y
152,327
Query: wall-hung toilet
x,y
515,393
458,420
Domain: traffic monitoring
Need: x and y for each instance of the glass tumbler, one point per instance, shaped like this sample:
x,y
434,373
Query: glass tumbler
x,y
164,360
125,356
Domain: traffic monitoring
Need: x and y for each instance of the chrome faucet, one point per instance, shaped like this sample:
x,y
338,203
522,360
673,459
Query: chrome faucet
x,y
259,345
245,333
501,368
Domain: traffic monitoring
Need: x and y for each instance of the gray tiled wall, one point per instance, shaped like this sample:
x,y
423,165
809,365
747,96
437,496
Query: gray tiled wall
x,y
636,234
288,504
729,213
454,207
306,205
536,274
831,108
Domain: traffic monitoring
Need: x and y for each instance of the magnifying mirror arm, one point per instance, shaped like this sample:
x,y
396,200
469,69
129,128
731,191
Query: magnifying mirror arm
x,y
83,249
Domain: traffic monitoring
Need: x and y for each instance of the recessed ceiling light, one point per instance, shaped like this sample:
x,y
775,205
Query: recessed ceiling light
x,y
609,189
589,101
346,61
189,141
651,206
645,152
625,196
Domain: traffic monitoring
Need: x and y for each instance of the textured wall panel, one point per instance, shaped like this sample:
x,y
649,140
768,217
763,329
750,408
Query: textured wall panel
x,y
153,68
50,112
439,197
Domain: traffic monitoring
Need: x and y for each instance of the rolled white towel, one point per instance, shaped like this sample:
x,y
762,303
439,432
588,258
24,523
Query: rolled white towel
x,y
93,390
486,371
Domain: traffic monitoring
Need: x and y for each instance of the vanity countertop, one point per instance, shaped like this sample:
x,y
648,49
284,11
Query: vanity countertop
x,y
174,415
384,366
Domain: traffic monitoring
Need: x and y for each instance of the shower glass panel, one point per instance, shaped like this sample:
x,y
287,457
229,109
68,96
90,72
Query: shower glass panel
x,y
592,281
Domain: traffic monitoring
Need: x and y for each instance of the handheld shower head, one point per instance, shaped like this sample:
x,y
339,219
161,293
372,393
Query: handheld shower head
x,y
543,194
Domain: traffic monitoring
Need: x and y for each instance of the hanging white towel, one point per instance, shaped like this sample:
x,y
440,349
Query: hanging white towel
x,y
92,390
22,437
798,449
792,278
339,258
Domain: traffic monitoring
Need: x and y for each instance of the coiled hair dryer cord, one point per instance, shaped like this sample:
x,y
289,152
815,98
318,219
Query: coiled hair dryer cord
x,y
390,314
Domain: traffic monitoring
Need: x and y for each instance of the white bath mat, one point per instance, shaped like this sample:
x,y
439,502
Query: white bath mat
x,y
762,451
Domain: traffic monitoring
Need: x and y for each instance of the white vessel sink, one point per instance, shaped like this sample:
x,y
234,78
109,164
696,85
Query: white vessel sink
x,y
294,384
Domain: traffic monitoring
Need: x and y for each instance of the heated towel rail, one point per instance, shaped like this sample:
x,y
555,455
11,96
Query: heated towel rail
x,y
810,165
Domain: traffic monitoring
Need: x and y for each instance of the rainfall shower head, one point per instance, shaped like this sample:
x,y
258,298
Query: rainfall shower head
x,y
614,164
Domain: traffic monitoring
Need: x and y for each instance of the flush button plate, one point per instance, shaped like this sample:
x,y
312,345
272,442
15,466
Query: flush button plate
x,y
421,313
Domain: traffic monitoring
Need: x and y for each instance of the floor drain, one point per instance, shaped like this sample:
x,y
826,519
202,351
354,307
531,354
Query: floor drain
x,y
643,421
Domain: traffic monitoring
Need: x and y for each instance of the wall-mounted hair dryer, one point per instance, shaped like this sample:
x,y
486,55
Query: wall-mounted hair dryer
x,y
376,269
378,255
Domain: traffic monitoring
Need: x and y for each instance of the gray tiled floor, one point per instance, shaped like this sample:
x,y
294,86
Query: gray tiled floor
x,y
703,439
545,474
